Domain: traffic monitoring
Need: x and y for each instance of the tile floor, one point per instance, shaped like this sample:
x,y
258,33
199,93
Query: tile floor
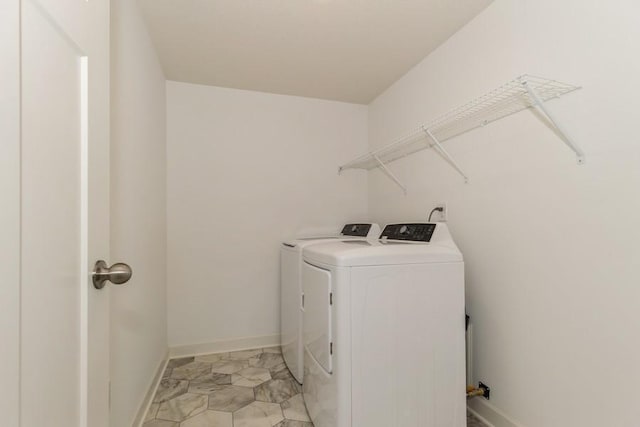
x,y
251,388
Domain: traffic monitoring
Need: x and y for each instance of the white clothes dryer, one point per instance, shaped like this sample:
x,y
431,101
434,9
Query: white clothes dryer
x,y
384,330
291,296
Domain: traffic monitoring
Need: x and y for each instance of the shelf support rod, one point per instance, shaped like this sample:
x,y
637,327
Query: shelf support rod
x,y
390,174
445,153
565,138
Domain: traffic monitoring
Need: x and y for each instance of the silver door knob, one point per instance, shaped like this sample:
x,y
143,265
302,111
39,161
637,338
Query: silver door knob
x,y
117,274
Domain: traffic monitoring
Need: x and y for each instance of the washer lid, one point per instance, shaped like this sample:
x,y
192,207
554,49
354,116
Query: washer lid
x,y
386,252
361,253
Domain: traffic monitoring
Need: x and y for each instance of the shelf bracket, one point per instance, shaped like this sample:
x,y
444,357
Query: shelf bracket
x,y
564,136
390,174
445,154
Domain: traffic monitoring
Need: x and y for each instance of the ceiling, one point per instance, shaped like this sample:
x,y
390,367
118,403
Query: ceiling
x,y
344,50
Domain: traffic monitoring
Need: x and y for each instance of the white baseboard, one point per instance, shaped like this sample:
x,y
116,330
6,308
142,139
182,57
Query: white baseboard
x,y
153,386
489,414
223,346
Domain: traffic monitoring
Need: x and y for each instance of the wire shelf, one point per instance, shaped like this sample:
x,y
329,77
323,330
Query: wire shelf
x,y
519,94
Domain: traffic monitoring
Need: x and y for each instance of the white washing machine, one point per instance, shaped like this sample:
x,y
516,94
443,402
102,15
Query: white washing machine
x,y
291,289
384,326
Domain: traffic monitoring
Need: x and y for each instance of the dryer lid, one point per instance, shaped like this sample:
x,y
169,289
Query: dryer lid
x,y
349,231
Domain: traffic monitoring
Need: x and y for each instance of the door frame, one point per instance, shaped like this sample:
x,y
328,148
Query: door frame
x,y
10,211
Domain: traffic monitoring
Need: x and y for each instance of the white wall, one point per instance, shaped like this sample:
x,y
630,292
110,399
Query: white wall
x,y
246,169
10,211
551,248
138,212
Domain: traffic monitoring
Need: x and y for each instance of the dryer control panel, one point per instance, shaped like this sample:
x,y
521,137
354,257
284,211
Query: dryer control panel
x,y
420,232
356,230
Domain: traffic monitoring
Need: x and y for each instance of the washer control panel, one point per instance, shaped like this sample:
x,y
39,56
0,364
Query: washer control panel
x,y
410,232
357,230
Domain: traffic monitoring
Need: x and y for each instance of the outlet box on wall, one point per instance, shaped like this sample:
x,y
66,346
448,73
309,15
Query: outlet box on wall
x,y
439,214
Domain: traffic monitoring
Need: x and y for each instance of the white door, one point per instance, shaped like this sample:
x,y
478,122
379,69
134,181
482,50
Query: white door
x,y
64,107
